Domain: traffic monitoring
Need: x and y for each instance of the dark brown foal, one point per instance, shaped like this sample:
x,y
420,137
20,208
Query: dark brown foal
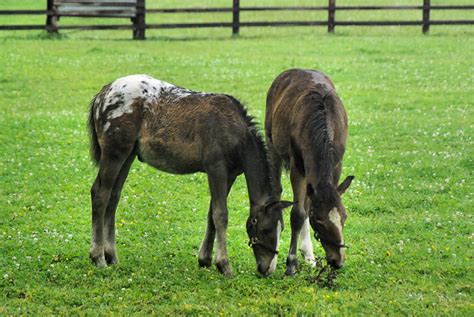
x,y
306,128
180,131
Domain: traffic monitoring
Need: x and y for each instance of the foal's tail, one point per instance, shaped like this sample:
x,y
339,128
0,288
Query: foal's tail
x,y
94,142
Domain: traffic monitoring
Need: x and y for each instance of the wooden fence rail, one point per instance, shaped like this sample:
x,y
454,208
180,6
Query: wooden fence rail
x,y
136,10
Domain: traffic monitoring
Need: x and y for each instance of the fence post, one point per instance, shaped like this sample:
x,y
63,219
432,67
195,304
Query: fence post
x,y
51,19
235,16
426,16
331,15
139,25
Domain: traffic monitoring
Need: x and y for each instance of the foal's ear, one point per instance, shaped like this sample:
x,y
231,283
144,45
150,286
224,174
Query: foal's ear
x,y
341,189
285,204
280,204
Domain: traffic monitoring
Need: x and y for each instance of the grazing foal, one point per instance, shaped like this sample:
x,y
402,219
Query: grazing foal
x,y
181,131
306,128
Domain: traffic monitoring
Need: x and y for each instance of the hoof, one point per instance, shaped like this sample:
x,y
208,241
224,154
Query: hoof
x,y
110,254
290,271
224,267
206,262
111,258
98,260
309,258
97,256
291,264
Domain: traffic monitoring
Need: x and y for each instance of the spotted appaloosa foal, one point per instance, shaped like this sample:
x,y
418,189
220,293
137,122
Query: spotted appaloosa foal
x,y
306,128
181,131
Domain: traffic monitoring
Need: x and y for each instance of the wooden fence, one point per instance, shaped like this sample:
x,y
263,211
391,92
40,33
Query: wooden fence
x,y
139,26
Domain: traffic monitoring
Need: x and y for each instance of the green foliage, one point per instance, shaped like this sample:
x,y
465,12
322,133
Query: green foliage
x,y
409,99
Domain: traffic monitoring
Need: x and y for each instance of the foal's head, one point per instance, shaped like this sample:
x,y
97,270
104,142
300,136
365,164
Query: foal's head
x,y
264,227
327,216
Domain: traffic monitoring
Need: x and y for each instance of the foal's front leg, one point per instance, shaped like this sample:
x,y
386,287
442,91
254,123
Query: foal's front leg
x,y
205,252
306,247
298,184
217,178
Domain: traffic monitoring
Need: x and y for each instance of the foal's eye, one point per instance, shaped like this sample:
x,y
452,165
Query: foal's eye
x,y
254,221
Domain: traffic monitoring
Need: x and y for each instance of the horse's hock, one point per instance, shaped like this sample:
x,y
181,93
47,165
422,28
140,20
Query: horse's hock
x,y
131,9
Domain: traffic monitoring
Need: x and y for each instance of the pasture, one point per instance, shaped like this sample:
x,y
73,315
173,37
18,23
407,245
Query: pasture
x,y
410,102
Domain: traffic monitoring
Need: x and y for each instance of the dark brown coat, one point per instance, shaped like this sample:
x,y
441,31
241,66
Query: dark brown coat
x,y
180,131
306,129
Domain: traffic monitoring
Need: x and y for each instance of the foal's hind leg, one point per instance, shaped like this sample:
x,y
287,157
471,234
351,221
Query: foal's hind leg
x,y
110,166
205,252
110,250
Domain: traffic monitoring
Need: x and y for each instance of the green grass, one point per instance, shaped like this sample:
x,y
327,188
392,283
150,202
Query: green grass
x,y
410,102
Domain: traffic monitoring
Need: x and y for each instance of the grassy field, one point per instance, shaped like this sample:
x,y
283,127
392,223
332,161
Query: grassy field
x,y
410,101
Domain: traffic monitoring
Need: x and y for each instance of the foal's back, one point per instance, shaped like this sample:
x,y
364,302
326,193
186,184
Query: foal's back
x,y
291,104
171,128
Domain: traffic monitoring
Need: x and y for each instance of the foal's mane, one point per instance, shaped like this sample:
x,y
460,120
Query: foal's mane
x,y
256,136
326,153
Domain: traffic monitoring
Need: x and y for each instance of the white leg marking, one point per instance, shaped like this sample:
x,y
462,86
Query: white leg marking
x,y
220,248
306,247
218,251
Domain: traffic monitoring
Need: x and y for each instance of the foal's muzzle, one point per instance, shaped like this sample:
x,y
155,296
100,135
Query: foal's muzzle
x,y
335,263
262,270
